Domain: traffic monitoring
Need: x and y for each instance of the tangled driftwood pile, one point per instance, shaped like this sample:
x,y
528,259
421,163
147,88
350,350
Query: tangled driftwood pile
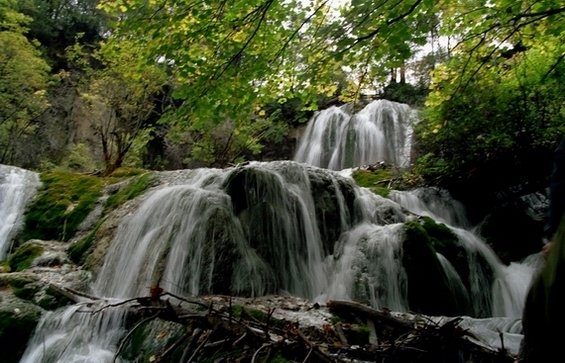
x,y
280,329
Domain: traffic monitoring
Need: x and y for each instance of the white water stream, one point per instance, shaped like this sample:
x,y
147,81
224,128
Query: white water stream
x,y
207,233
17,186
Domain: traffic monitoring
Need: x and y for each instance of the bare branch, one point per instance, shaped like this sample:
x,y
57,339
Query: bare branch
x,y
130,333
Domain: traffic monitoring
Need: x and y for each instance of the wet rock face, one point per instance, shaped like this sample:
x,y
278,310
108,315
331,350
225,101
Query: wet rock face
x,y
255,193
512,233
334,201
428,289
18,319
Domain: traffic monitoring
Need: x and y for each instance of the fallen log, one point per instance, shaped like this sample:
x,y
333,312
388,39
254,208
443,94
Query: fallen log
x,y
212,327
382,317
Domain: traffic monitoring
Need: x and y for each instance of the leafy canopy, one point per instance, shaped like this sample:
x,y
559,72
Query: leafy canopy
x,y
228,58
495,110
23,81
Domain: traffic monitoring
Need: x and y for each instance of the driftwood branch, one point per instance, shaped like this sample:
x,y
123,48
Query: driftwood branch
x,y
130,333
213,330
378,316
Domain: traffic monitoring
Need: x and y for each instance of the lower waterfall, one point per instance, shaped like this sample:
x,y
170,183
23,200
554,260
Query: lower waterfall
x,y
278,228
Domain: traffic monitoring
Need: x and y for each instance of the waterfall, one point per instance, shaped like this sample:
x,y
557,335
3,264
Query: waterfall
x,y
435,203
337,139
510,284
77,334
17,187
272,228
369,267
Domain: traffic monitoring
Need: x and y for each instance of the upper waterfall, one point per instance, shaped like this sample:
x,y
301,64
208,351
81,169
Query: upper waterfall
x,y
17,186
337,139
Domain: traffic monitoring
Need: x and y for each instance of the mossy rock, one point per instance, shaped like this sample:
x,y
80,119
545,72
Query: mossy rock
x,y
18,320
17,279
255,193
444,241
135,187
126,172
28,291
61,205
52,299
428,288
377,181
221,254
357,334
512,233
78,252
327,207
151,339
23,257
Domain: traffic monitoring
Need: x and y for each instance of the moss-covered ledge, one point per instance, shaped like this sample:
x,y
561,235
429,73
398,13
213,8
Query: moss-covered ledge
x,y
18,319
378,181
429,291
62,203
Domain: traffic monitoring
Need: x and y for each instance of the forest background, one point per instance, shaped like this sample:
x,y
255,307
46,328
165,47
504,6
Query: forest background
x,y
91,85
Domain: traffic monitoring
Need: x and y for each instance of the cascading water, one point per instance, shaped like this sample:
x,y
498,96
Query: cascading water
x,y
435,203
509,283
279,227
337,139
17,187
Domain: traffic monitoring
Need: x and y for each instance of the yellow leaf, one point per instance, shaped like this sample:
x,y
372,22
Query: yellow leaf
x,y
262,113
152,358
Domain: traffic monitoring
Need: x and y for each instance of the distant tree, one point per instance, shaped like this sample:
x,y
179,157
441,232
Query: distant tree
x,y
57,23
120,100
23,81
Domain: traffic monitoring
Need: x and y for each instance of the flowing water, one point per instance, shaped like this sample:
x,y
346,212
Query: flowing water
x,y
336,138
17,187
278,227
286,228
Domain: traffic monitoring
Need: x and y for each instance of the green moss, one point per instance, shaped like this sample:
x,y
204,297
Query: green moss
x,y
135,187
24,256
153,338
357,334
239,311
441,236
236,311
428,288
256,314
374,180
28,291
17,322
445,242
278,358
125,172
79,251
53,300
61,205
336,319
16,280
